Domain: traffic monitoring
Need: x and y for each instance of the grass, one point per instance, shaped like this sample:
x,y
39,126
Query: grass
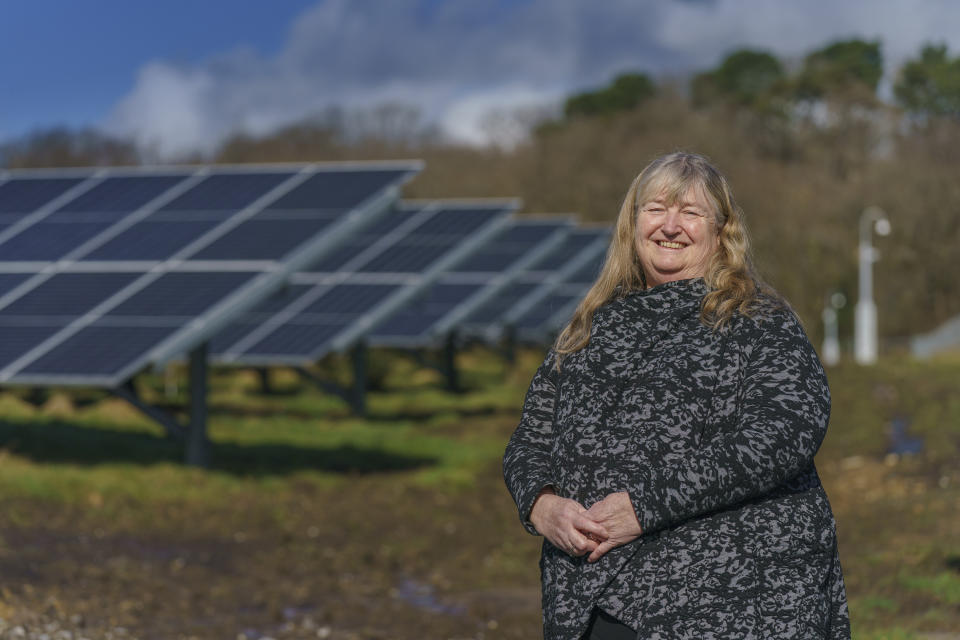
x,y
294,468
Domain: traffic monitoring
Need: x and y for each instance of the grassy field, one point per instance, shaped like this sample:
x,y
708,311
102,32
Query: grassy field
x,y
316,524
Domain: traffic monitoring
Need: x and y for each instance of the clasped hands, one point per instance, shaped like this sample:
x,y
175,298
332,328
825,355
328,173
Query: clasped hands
x,y
572,528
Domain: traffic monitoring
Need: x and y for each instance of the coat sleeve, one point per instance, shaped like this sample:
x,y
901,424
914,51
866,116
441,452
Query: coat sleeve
x,y
784,407
526,461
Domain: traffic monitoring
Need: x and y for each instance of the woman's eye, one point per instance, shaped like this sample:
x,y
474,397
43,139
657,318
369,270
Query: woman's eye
x,y
691,212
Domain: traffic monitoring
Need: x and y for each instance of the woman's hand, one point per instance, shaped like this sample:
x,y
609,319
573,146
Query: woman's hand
x,y
565,524
616,515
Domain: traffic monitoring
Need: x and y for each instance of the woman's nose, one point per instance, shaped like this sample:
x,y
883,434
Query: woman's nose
x,y
671,221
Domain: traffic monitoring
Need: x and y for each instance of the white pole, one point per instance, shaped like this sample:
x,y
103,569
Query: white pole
x,y
831,344
865,314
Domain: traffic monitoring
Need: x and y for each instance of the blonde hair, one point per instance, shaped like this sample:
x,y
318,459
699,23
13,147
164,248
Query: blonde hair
x,y
730,276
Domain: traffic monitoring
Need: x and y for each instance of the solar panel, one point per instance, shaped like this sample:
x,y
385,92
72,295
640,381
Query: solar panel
x,y
377,271
152,240
546,310
227,191
47,241
246,240
531,287
68,294
116,196
469,284
19,197
114,269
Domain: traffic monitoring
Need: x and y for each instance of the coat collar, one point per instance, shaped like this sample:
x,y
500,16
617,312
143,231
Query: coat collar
x,y
669,295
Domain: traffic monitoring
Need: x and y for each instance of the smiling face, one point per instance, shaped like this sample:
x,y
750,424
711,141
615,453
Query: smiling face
x,y
675,240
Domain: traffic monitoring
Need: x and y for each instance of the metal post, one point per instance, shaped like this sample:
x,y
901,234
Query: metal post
x,y
509,345
831,345
450,362
198,447
865,334
358,355
263,373
831,339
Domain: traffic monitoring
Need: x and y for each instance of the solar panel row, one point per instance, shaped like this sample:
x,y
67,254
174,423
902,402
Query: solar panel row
x,y
384,268
103,271
439,308
106,271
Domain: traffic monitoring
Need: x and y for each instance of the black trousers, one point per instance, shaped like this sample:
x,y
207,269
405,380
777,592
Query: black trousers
x,y
604,626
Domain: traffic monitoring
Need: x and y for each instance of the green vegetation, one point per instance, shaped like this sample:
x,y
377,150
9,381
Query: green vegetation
x,y
929,85
624,93
745,77
311,516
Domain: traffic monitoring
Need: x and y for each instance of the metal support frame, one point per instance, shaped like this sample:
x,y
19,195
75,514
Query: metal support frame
x,y
263,373
449,370
447,366
128,392
358,356
356,394
198,445
193,436
508,345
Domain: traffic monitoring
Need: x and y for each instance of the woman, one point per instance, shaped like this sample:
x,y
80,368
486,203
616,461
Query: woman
x,y
666,446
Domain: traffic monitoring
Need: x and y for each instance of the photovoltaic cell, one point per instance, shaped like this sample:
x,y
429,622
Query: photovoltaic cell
x,y
543,273
509,245
23,195
293,338
424,310
359,242
10,280
19,339
150,240
68,294
122,194
99,349
505,299
228,336
456,222
182,293
588,273
424,317
263,239
337,189
49,240
538,315
409,256
349,299
227,191
281,299
573,244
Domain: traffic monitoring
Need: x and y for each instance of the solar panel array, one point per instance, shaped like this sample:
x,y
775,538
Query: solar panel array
x,y
472,282
337,300
103,271
106,271
546,312
541,288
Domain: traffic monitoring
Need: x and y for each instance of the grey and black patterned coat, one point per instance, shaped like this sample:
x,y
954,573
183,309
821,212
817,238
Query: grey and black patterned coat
x,y
713,434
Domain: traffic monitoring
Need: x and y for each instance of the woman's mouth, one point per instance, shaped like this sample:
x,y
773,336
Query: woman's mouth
x,y
670,245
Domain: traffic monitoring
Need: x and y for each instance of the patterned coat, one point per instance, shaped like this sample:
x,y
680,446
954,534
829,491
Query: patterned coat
x,y
713,434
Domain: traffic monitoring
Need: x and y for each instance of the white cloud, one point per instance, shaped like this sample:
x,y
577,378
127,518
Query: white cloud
x,y
459,60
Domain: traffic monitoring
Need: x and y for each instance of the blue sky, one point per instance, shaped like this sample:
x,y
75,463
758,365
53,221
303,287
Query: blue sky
x,y
69,61
179,76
